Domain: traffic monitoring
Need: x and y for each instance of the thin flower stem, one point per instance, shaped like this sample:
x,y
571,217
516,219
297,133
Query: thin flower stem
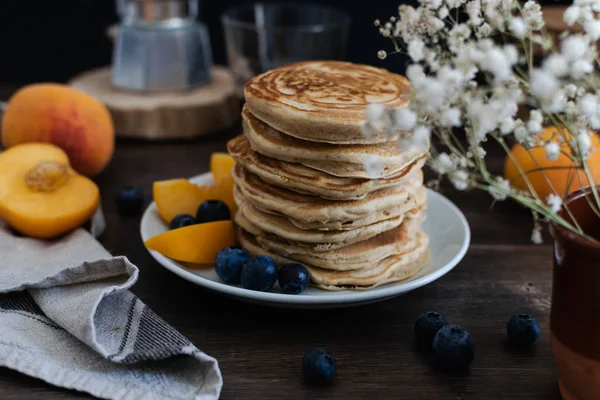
x,y
514,160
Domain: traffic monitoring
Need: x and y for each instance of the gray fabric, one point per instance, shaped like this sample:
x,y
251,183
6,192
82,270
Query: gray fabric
x,y
67,317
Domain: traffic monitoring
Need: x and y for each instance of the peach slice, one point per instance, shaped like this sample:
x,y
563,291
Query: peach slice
x,y
180,196
197,244
221,165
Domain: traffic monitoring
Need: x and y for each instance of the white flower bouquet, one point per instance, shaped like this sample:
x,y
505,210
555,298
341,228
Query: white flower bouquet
x,y
473,68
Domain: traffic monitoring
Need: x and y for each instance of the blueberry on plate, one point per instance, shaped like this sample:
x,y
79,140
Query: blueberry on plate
x,y
453,349
182,220
426,328
260,273
229,263
522,330
211,211
293,278
318,366
129,200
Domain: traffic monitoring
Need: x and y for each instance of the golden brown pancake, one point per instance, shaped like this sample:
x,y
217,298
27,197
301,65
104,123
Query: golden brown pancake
x,y
311,212
306,180
325,101
339,160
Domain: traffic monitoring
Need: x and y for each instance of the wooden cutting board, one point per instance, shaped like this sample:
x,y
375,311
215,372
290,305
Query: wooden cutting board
x,y
158,116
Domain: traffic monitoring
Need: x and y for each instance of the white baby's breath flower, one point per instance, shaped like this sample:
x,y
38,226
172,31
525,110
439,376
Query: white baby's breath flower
x,y
374,165
382,54
522,134
415,49
532,14
375,112
588,105
501,190
554,202
580,68
496,63
443,13
571,15
507,125
451,117
511,53
570,90
443,164
404,118
543,84
574,47
474,11
415,74
460,179
484,30
457,36
536,115
419,140
536,236
534,126
582,143
592,28
552,151
557,65
517,27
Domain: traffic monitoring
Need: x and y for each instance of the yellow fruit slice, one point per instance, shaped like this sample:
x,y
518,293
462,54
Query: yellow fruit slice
x,y
40,194
177,196
180,196
221,165
198,244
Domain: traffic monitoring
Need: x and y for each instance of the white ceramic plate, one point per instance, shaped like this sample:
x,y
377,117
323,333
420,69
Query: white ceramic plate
x,y
445,224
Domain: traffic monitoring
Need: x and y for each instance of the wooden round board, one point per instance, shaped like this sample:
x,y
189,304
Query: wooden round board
x,y
165,115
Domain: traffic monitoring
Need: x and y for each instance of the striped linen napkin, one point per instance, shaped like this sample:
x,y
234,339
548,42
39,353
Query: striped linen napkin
x,y
68,318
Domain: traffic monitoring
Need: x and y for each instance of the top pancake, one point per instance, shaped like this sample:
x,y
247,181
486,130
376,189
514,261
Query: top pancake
x,y
325,101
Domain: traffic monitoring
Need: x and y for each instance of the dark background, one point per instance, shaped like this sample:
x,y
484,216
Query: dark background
x,y
53,40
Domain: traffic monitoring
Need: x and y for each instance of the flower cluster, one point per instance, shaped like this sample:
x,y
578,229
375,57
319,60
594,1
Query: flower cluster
x,y
472,70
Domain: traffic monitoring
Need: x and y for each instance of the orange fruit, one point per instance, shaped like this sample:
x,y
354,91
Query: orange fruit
x,y
534,159
198,244
221,165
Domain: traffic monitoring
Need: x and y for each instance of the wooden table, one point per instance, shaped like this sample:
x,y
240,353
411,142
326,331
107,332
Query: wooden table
x,y
260,349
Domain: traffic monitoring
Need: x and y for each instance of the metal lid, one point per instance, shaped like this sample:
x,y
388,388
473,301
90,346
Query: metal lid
x,y
157,12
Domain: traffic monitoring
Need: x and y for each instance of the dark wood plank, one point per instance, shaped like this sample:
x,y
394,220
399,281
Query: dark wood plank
x,y
259,349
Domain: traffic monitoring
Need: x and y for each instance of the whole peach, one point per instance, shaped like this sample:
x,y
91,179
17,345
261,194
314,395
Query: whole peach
x,y
66,117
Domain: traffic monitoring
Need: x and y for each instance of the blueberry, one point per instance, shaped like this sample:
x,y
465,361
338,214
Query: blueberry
x,y
293,278
129,200
229,263
260,273
427,326
212,210
318,366
522,330
453,349
182,220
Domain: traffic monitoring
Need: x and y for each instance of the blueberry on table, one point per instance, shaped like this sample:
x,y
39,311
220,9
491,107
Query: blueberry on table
x,y
293,278
318,366
260,273
522,330
182,220
229,263
427,326
212,210
453,349
129,200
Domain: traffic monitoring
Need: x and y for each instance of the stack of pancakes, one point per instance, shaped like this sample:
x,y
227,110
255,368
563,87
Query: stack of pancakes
x,y
304,192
